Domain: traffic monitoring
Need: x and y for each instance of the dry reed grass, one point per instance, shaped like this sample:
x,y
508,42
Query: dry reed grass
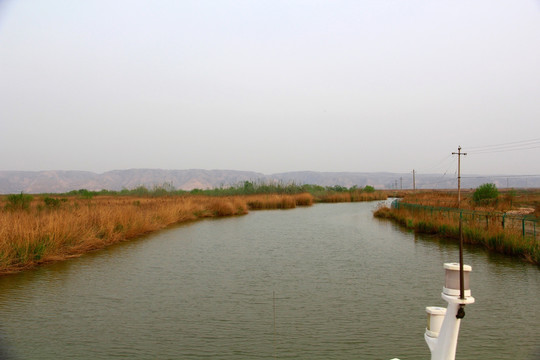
x,y
352,196
494,237
273,201
507,200
40,234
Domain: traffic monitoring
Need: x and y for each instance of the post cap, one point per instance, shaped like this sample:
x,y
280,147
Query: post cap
x,y
455,267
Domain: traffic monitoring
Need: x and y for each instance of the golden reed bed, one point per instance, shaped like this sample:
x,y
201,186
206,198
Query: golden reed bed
x,y
486,230
41,234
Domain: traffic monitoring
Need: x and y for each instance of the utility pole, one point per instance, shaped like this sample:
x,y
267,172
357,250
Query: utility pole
x,y
461,289
401,183
413,182
459,153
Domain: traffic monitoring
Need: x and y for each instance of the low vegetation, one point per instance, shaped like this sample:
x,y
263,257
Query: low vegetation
x,y
494,221
50,227
18,201
486,193
507,199
320,193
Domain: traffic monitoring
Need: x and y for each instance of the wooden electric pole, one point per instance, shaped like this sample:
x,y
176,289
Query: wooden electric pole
x,y
461,286
459,153
413,181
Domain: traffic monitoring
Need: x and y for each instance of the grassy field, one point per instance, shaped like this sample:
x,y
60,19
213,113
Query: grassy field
x,y
51,227
482,223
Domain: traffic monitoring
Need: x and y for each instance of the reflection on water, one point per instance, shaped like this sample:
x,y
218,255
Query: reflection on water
x,y
347,286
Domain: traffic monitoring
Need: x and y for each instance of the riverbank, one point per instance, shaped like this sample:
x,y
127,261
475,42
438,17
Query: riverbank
x,y
51,230
40,229
490,225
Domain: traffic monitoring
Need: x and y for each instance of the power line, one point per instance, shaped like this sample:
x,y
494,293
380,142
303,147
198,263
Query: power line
x,y
503,150
499,176
442,179
441,163
448,162
515,143
504,147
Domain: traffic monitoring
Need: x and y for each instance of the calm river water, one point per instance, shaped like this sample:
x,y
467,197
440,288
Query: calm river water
x,y
347,286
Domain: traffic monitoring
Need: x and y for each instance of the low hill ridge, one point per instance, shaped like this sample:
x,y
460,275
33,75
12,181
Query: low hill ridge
x,y
58,181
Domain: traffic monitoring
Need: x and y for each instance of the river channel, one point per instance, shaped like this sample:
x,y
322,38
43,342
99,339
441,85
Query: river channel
x,y
322,282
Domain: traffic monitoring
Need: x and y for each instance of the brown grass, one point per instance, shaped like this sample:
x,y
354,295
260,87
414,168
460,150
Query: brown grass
x,y
508,200
352,196
507,241
485,230
42,234
39,235
273,201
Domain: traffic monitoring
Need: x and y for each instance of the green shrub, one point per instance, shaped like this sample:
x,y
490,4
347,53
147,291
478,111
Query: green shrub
x,y
51,203
85,194
485,192
369,189
19,201
337,188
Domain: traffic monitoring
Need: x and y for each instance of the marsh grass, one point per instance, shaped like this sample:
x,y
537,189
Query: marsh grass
x,y
508,199
40,229
39,234
490,235
274,201
351,196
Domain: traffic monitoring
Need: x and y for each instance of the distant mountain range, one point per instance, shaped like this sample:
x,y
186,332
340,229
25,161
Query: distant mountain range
x,y
64,181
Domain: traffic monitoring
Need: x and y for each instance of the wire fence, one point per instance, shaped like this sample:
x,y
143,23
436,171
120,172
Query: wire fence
x,y
527,225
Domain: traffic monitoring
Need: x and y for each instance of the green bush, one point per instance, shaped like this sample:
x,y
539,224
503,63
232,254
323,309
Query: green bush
x,y
51,203
485,192
85,194
19,201
369,189
337,188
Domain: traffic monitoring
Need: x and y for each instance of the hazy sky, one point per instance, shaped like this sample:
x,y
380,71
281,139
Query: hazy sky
x,y
270,86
